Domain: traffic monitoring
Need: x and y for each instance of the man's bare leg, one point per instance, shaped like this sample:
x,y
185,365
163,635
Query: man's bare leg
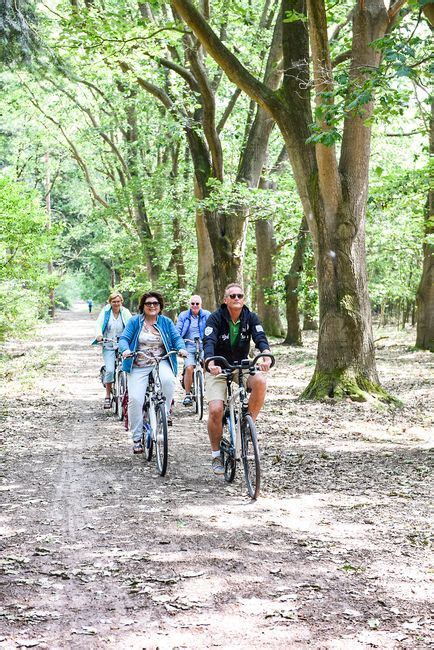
x,y
258,384
188,378
215,414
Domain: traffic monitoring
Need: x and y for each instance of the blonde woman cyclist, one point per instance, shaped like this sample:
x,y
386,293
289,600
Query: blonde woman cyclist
x,y
110,324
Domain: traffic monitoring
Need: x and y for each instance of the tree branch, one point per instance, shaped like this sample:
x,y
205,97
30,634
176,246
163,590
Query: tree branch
x,y
94,123
160,94
395,7
208,102
228,110
323,81
233,68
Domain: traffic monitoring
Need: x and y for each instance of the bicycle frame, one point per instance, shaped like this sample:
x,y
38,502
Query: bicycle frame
x,y
242,444
234,398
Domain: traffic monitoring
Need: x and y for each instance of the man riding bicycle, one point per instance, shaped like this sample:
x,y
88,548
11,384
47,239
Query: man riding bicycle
x,y
191,325
228,333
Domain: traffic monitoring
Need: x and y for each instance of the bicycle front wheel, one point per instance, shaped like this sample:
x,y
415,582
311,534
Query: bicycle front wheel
x,y
161,442
250,456
121,389
228,452
115,388
199,394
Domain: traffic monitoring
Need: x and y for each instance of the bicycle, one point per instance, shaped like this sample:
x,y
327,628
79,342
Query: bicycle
x,y
119,385
239,437
155,431
197,387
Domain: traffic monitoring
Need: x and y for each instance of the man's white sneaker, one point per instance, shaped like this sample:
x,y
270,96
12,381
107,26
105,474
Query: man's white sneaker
x,y
217,465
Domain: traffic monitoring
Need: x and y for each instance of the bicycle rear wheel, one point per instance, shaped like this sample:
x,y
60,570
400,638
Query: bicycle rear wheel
x,y
199,394
121,389
250,456
161,439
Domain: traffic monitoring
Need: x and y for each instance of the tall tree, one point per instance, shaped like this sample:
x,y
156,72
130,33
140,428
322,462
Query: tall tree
x,y
425,293
333,192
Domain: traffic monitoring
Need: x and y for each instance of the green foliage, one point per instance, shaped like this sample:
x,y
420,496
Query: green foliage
x,y
294,16
26,246
25,243
394,234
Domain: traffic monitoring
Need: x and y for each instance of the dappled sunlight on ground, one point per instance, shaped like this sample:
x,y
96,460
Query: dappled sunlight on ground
x,y
102,553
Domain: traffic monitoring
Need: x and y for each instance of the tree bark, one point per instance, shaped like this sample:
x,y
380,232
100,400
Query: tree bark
x,y
425,292
292,282
267,304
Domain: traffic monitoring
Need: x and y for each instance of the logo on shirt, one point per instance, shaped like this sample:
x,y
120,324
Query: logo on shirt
x,y
259,328
224,337
208,331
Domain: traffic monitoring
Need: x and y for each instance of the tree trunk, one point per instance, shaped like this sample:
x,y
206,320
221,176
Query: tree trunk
x,y
267,304
310,291
425,292
292,281
51,295
222,233
346,360
205,263
139,205
333,195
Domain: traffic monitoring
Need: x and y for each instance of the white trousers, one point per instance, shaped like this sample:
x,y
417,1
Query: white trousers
x,y
137,385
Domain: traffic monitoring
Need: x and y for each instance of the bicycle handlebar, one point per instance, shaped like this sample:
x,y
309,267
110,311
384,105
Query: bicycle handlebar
x,y
154,359
244,364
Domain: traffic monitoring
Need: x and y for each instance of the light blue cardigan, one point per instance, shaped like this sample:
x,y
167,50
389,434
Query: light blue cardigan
x,y
104,317
129,339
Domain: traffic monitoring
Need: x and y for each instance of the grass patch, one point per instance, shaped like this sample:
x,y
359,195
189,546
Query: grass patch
x,y
24,367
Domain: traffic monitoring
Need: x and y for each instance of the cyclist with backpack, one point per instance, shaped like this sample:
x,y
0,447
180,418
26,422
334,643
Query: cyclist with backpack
x,y
191,325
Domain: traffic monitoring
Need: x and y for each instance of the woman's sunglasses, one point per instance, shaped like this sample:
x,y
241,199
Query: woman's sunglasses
x,y
152,304
232,296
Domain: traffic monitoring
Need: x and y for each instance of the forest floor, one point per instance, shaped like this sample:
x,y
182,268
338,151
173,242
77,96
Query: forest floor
x,y
100,552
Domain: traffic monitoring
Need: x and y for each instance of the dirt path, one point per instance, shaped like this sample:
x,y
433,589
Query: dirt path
x,y
99,552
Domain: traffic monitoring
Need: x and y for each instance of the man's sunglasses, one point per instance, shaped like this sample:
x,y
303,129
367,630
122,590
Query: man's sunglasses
x,y
152,304
232,296
194,303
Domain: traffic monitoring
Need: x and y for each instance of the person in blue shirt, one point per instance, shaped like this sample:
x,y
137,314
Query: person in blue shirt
x,y
154,335
190,325
109,326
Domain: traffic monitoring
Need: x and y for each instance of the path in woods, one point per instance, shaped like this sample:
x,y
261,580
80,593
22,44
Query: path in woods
x,y
100,552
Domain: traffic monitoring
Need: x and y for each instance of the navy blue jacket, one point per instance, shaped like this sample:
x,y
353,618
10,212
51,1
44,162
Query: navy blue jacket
x,y
217,342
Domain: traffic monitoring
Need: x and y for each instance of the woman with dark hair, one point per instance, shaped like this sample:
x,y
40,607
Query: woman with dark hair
x,y
154,335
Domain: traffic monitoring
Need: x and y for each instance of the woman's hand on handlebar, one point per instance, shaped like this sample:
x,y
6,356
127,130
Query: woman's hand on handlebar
x,y
182,353
126,354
